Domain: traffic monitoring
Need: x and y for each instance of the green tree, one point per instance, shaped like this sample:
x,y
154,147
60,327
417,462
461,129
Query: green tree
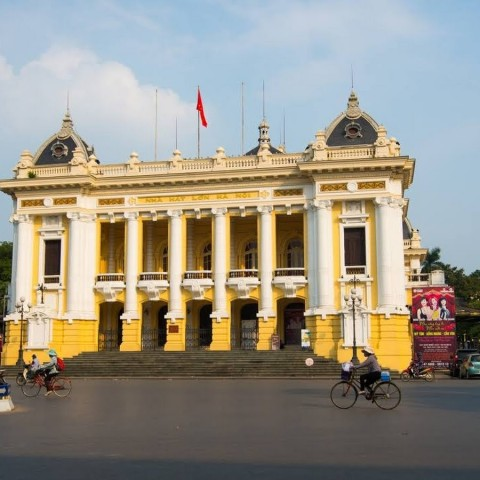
x,y
432,261
6,250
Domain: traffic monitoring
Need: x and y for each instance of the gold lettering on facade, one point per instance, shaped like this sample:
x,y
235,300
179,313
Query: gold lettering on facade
x,y
199,197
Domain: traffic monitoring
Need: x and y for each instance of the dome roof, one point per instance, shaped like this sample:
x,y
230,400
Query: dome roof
x,y
59,148
352,127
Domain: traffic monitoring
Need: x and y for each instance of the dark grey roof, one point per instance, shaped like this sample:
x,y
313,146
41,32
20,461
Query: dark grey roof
x,y
60,147
339,138
254,151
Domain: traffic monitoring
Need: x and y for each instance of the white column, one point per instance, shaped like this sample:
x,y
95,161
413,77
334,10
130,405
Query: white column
x,y
175,264
131,274
89,239
324,256
312,251
266,274
220,264
23,259
384,258
398,255
81,266
148,255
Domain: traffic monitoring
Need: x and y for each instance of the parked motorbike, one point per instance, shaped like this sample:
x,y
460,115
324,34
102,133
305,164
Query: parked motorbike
x,y
413,372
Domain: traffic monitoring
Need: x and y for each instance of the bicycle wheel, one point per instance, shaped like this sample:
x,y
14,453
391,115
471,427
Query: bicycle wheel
x,y
31,388
405,376
62,386
387,395
343,395
430,376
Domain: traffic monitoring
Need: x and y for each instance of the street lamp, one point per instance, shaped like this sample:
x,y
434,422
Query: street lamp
x,y
20,306
354,301
41,288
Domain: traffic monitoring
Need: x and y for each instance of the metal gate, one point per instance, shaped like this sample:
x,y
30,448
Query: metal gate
x,y
108,340
249,334
198,337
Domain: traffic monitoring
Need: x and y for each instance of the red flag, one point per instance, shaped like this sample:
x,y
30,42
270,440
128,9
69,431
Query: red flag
x,y
200,109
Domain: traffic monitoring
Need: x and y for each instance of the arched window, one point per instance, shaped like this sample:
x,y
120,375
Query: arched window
x,y
207,257
251,255
295,254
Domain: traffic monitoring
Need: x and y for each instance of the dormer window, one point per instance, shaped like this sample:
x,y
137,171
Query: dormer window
x,y
59,150
353,130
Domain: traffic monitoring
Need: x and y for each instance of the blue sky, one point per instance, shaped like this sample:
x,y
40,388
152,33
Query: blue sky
x,y
415,69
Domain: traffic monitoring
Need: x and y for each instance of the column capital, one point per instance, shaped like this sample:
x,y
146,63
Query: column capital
x,y
21,218
389,202
174,213
322,204
219,212
130,215
264,209
84,217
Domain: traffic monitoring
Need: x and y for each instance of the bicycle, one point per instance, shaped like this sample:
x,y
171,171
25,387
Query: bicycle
x,y
385,394
60,385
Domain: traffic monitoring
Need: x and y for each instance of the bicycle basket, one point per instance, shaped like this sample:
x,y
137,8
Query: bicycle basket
x,y
346,371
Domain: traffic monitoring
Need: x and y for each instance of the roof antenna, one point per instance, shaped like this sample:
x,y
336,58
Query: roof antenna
x,y
351,69
263,100
68,102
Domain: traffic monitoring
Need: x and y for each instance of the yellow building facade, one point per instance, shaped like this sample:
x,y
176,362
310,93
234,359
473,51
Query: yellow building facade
x,y
217,253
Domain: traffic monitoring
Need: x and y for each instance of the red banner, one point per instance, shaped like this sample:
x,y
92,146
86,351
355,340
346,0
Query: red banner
x,y
433,323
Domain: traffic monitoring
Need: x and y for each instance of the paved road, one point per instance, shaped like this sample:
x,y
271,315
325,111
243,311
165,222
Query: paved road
x,y
240,429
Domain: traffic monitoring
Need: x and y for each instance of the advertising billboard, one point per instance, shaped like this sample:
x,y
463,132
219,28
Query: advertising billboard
x,y
433,323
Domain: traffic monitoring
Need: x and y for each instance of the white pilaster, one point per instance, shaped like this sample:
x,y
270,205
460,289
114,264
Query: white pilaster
x,y
220,265
266,274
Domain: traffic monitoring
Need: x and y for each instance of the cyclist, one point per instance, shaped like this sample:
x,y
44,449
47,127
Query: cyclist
x,y
374,370
50,370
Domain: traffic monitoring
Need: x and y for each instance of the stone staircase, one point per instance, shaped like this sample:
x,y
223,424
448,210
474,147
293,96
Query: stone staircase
x,y
197,364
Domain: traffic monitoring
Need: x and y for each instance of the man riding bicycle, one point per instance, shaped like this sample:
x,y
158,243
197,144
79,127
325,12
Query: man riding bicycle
x,y
374,370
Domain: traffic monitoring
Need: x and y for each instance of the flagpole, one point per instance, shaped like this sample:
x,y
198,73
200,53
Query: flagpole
x,y
198,126
156,122
243,122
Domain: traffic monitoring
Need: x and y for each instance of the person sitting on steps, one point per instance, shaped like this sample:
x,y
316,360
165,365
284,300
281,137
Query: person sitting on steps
x,y
374,370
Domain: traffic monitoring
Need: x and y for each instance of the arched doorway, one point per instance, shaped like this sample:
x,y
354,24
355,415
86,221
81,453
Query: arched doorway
x,y
205,326
110,326
294,321
162,326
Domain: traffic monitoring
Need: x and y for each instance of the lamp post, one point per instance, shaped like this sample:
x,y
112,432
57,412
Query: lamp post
x,y
20,306
354,301
41,288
